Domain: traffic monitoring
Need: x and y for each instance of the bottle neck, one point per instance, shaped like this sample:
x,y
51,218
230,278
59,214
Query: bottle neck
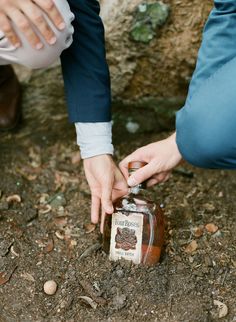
x,y
137,189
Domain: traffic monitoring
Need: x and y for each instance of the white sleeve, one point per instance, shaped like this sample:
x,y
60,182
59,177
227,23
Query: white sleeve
x,y
94,138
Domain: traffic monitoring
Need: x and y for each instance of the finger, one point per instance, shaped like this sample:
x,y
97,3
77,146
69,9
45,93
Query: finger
x,y
25,27
152,182
123,165
102,221
6,27
159,178
35,15
107,199
138,155
142,174
95,209
53,13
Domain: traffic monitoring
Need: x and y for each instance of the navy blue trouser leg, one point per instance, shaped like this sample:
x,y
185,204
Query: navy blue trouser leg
x,y
84,66
206,125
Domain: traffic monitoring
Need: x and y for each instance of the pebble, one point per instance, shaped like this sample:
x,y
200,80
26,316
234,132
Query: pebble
x,y
50,287
58,200
119,301
120,273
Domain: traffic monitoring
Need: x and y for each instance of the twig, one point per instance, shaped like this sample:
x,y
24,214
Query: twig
x,y
90,250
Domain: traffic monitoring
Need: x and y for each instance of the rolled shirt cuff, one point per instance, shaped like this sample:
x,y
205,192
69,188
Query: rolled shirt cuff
x,y
94,138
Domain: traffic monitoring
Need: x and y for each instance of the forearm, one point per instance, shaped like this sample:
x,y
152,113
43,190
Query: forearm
x,y
84,66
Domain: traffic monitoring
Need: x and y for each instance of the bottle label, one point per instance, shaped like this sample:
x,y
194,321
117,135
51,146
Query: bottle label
x,y
126,237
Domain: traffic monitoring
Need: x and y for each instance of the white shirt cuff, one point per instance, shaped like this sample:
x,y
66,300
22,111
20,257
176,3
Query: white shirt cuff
x,y
94,138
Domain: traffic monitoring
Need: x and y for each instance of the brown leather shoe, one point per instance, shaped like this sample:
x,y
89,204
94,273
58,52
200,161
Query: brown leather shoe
x,y
9,98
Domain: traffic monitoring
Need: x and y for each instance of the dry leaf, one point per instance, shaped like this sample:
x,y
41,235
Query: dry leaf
x,y
60,221
223,310
43,198
59,235
89,228
14,198
5,277
13,251
191,247
44,209
198,231
49,247
27,277
211,228
89,301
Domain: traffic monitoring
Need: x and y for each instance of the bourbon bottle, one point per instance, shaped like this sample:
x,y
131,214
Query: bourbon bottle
x,y
135,231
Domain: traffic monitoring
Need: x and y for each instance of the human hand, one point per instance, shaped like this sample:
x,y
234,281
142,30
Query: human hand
x,y
161,157
25,14
106,183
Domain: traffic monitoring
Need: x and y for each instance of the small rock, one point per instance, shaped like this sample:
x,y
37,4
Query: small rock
x,y
217,234
119,301
50,287
132,127
58,200
191,259
120,273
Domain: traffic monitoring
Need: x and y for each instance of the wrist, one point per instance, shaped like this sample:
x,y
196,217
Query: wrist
x,y
175,148
94,139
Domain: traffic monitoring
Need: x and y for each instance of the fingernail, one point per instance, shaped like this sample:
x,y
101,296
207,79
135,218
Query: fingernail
x,y
132,182
52,41
39,46
62,26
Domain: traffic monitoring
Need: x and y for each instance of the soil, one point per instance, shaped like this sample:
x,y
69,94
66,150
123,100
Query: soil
x,y
42,237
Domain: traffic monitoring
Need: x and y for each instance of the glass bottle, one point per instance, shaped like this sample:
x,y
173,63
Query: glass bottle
x,y
135,231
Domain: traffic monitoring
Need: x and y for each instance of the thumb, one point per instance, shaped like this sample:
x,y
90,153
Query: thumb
x,y
141,175
107,199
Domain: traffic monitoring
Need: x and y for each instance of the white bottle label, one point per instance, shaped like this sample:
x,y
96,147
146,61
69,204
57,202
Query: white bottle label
x,y
126,237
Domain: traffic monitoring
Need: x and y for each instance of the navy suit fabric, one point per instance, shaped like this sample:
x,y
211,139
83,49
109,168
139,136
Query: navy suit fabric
x,y
84,66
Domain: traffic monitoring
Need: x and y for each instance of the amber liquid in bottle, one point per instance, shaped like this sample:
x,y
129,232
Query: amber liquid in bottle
x,y
135,231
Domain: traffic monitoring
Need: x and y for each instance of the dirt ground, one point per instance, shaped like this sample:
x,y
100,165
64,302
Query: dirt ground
x,y
42,236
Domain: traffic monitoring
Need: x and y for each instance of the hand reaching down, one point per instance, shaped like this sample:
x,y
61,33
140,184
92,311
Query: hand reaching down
x,y
161,157
106,183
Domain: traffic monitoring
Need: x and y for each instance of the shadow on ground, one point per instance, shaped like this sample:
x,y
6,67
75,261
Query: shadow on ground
x,y
42,236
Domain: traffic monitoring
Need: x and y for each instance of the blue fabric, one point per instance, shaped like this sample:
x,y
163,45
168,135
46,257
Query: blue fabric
x,y
206,125
84,66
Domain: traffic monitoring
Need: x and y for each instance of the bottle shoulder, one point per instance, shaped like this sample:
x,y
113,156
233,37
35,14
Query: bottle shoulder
x,y
139,202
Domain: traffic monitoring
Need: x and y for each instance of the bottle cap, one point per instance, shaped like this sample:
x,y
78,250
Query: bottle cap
x,y
135,165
